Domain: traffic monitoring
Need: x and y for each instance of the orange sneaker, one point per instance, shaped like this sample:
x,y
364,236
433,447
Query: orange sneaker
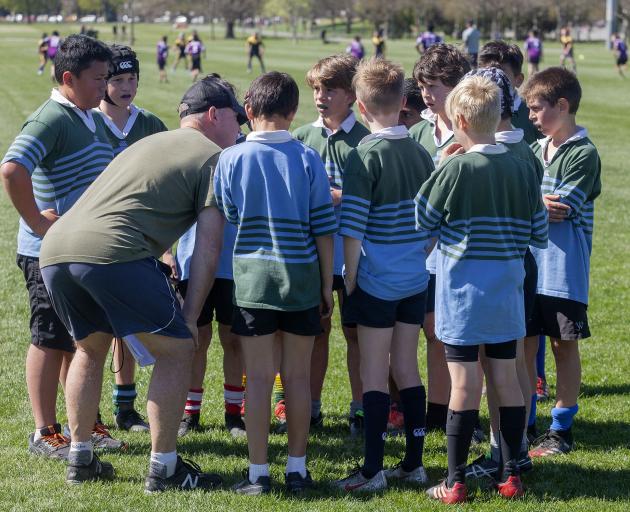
x,y
450,496
511,488
280,414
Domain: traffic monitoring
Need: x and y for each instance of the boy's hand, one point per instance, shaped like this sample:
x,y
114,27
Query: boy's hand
x,y
335,193
327,304
557,211
47,218
450,150
350,283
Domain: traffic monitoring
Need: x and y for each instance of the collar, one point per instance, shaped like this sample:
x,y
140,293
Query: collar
x,y
391,132
85,116
428,115
346,125
513,136
581,133
517,100
122,135
488,149
274,137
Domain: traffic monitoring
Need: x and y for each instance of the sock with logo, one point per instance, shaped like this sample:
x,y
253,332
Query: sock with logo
x,y
376,412
233,397
414,407
168,459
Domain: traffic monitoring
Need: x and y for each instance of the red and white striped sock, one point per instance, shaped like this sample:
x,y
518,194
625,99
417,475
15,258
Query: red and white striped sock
x,y
193,401
233,396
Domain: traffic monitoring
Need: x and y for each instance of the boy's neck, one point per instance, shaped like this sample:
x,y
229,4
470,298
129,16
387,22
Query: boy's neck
x,y
473,139
378,122
271,124
68,93
443,122
565,132
505,125
334,122
119,115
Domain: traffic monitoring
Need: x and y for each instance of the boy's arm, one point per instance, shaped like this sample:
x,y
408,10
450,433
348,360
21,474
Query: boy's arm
x,y
325,256
431,202
203,265
351,256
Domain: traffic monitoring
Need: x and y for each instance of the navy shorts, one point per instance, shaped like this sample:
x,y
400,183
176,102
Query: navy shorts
x,y
530,283
117,298
47,329
470,353
361,308
558,318
260,322
430,308
219,302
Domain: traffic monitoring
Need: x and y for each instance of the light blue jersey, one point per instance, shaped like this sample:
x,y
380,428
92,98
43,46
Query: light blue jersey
x,y
187,244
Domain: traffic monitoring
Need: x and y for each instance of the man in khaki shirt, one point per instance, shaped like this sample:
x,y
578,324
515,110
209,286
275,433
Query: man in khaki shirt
x,y
100,265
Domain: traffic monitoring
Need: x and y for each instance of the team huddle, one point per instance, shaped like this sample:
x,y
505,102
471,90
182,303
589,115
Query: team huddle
x,y
458,206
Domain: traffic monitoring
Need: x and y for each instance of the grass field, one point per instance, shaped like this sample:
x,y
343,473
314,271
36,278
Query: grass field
x,y
596,476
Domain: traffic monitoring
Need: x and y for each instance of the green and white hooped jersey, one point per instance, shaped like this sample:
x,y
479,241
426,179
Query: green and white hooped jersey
x,y
64,149
141,123
514,140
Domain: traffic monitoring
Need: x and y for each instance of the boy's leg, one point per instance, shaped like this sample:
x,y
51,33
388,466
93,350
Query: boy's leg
x,y
438,377
353,363
124,392
295,369
404,365
233,388
531,351
319,365
374,350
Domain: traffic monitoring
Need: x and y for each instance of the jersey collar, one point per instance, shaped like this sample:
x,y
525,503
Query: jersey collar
x,y
391,132
122,135
430,116
581,133
516,102
346,125
84,115
513,136
274,137
488,149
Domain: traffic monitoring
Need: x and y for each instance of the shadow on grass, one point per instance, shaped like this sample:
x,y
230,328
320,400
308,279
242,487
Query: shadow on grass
x,y
596,435
590,390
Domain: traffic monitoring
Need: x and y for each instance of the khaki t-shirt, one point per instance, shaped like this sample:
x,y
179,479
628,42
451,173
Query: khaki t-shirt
x,y
148,196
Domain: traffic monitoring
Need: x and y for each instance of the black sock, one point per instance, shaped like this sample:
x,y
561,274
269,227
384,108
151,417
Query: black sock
x,y
512,425
436,416
414,403
459,430
375,414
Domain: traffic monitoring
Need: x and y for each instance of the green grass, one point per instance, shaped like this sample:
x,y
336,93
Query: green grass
x,y
595,476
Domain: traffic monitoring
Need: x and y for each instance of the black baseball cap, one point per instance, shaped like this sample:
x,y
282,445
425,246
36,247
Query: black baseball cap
x,y
211,91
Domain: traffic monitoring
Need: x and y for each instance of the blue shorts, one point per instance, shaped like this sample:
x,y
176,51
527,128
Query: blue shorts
x,y
361,308
118,298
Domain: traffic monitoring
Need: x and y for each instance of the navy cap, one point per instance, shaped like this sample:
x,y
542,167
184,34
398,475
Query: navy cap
x,y
211,91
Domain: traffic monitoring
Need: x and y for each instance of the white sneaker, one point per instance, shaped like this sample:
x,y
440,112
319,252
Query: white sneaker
x,y
356,482
418,476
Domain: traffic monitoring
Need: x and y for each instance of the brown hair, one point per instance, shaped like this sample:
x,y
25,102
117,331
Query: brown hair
x,y
273,93
441,62
554,83
333,72
496,54
379,85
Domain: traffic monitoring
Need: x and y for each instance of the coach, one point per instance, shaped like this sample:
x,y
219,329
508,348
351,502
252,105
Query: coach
x,y
100,265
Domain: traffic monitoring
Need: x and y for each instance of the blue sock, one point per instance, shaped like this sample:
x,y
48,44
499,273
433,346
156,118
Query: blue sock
x,y
532,412
562,417
540,357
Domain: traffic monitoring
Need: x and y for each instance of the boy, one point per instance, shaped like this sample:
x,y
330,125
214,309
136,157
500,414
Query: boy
x,y
195,48
53,140
479,288
333,135
385,274
255,48
125,124
621,53
438,70
427,39
411,113
533,48
567,48
572,182
161,54
276,191
509,58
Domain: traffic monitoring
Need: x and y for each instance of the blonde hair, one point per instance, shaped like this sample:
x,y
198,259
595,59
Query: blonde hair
x,y
378,83
478,100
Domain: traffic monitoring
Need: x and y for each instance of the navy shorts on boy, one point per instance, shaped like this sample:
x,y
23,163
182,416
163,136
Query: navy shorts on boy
x,y
485,219
218,303
261,322
118,298
470,353
381,178
47,329
361,308
276,191
561,319
430,308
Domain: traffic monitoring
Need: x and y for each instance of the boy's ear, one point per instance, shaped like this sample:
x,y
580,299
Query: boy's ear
x,y
249,111
563,105
461,123
518,80
361,105
67,78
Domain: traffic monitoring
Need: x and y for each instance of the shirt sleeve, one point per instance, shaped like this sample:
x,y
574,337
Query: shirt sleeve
x,y
431,203
580,181
205,190
356,198
322,218
32,145
540,220
222,190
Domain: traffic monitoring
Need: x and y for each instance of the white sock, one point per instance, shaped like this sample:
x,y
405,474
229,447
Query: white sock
x,y
167,459
256,471
85,446
296,464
